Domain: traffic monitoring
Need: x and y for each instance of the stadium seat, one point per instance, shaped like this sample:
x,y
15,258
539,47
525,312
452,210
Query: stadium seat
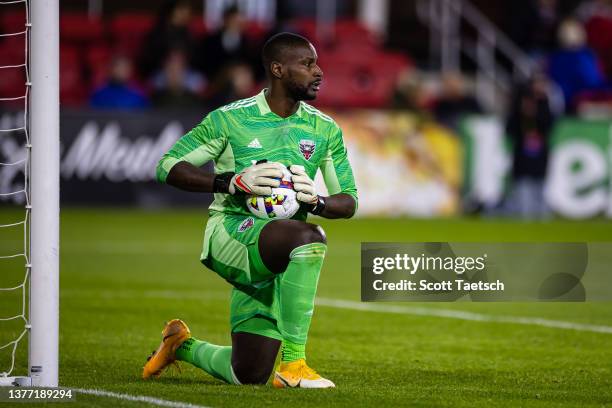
x,y
197,27
360,82
73,88
78,28
98,59
12,80
352,32
348,34
12,85
12,50
12,21
128,31
255,31
305,26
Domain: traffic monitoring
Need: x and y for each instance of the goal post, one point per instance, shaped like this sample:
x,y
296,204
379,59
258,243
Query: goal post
x,y
44,188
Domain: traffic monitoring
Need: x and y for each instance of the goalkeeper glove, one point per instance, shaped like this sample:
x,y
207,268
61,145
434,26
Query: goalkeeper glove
x,y
257,179
303,185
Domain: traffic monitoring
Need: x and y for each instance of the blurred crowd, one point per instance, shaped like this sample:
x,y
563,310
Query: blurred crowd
x,y
571,56
171,60
178,66
176,69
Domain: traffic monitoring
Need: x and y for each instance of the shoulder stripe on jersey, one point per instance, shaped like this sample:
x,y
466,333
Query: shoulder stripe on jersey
x,y
239,104
243,101
317,112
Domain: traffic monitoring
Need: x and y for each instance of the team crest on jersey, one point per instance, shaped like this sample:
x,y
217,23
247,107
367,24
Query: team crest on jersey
x,y
246,224
307,148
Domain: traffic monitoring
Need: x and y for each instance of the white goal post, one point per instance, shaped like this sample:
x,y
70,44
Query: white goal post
x,y
44,232
42,188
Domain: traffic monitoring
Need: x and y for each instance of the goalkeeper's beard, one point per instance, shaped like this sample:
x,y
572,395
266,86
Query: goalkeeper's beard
x,y
299,92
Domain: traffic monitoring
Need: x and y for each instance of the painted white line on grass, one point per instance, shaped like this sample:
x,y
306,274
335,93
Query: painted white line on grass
x,y
130,248
461,315
137,398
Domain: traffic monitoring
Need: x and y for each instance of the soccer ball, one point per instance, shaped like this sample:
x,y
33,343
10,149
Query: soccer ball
x,y
281,204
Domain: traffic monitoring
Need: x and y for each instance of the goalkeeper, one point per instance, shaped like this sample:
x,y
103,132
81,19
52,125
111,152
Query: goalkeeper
x,y
273,265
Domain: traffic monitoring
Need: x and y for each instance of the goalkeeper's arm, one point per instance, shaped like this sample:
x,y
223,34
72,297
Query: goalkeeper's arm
x,y
257,179
339,205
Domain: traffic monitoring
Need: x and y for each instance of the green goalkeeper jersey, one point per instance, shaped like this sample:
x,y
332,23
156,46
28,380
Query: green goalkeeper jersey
x,y
237,135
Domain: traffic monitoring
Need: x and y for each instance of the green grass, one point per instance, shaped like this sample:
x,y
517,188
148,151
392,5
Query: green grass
x,y
124,272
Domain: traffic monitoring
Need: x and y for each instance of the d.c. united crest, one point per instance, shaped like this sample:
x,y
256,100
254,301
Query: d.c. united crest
x,y
246,224
307,148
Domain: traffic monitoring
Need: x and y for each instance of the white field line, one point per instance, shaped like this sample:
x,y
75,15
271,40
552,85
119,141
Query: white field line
x,y
146,294
137,398
461,315
352,305
130,248
124,247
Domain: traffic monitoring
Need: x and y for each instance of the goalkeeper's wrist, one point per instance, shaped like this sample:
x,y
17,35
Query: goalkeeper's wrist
x,y
222,183
318,208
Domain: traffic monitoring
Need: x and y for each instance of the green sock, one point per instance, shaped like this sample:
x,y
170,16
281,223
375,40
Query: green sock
x,y
292,351
298,287
215,360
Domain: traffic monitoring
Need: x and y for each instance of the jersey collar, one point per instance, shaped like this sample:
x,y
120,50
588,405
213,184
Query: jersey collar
x,y
264,108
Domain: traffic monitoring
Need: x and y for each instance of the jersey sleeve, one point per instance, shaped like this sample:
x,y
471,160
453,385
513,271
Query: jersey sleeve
x,y
201,144
336,169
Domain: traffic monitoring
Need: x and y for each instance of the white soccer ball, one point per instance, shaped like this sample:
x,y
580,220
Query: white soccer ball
x,y
281,204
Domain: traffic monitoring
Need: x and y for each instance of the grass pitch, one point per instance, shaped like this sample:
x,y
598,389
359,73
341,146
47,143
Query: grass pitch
x,y
124,272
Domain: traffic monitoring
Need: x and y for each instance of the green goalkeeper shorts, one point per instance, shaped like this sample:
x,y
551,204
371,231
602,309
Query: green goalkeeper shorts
x,y
231,249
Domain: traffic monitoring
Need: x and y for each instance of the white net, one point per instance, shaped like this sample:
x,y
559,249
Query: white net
x,y
15,150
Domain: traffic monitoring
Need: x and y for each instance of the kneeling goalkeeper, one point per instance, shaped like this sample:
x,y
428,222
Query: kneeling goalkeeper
x,y
273,265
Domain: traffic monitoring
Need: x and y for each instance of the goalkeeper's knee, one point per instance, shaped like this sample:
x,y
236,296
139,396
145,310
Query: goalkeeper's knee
x,y
252,372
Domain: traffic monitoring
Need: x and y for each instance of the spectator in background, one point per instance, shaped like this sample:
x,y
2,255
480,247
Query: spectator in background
x,y
594,9
177,86
118,92
454,101
596,15
171,31
237,81
574,67
534,26
528,127
227,45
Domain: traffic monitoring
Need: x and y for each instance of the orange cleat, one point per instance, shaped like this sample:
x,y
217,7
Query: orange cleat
x,y
174,334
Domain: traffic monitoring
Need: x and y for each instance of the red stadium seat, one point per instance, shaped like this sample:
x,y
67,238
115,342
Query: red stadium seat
x,y
12,85
77,28
12,21
197,27
129,30
255,31
348,33
12,50
358,81
98,60
12,80
353,33
73,88
305,26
